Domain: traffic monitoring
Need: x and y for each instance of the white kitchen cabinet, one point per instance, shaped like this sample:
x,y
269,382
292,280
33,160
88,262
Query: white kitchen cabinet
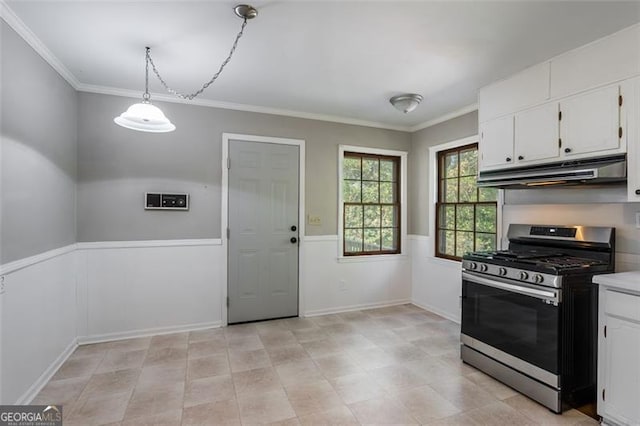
x,y
496,143
520,91
607,60
591,124
619,348
633,141
536,134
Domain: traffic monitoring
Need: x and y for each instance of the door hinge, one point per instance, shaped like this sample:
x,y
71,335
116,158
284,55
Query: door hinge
x,y
559,115
560,143
620,132
604,394
227,301
605,331
228,233
228,163
620,100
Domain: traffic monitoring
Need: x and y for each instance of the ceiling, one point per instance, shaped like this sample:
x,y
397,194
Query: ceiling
x,y
320,59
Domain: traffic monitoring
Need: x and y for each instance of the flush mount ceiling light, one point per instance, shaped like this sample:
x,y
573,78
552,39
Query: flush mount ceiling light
x,y
406,102
146,117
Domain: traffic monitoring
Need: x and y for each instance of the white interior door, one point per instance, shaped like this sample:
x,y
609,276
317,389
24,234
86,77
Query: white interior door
x,y
263,230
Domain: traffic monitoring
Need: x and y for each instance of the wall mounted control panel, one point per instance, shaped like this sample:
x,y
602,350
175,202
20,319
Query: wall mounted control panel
x,y
160,201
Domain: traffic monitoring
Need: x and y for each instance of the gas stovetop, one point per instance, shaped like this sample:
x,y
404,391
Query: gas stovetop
x,y
539,260
544,254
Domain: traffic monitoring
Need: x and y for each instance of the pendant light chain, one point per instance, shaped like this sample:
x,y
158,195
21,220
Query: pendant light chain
x,y
146,96
204,86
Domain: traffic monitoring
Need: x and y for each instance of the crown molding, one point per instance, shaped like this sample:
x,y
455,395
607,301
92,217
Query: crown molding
x,y
136,94
10,17
453,114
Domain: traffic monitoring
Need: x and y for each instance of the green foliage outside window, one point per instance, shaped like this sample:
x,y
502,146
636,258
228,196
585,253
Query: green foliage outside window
x,y
466,215
371,204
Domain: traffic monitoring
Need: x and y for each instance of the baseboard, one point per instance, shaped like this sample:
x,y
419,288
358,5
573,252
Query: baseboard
x,y
37,386
436,311
360,307
109,337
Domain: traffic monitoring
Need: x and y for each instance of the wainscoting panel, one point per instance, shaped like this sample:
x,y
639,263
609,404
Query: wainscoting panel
x,y
37,322
136,289
436,283
333,284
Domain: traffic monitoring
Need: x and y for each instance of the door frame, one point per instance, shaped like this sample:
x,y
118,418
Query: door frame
x,y
300,143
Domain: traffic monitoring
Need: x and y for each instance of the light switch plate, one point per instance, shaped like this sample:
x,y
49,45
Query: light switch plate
x,y
314,220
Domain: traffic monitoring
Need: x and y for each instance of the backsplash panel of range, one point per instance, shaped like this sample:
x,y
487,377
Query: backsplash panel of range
x,y
529,313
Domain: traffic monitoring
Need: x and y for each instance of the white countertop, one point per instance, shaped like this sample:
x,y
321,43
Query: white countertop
x,y
626,281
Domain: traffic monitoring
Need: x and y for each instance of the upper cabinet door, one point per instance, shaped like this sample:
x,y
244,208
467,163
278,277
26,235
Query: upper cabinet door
x,y
536,134
591,122
496,143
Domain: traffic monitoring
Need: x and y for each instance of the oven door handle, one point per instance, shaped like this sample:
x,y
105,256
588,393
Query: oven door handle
x,y
502,284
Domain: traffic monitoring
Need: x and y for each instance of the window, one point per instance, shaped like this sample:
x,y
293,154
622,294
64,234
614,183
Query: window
x,y
371,204
466,216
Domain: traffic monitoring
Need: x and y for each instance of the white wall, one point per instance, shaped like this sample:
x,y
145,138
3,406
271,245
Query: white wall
x,y
331,284
435,282
38,321
137,288
621,216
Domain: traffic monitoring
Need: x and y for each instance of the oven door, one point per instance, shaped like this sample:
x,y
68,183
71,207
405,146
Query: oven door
x,y
517,324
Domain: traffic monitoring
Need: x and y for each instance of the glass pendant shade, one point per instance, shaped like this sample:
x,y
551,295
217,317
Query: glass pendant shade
x,y
145,117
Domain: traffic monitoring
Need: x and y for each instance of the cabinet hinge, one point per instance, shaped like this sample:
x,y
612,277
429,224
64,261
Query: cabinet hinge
x,y
228,163
227,301
604,394
560,143
620,100
620,132
559,115
228,233
605,331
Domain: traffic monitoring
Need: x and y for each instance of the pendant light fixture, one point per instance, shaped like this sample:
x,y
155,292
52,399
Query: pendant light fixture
x,y
146,117
406,102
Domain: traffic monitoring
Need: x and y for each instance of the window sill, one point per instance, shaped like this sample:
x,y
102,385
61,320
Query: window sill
x,y
372,258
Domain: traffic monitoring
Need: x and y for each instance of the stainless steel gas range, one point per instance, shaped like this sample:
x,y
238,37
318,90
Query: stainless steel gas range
x,y
529,313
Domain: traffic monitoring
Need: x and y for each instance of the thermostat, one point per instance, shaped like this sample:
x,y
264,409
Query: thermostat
x,y
160,201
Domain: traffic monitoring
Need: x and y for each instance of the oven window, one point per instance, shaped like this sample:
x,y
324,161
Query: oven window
x,y
492,311
522,326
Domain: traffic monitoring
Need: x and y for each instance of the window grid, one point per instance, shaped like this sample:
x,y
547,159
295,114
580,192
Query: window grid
x,y
442,207
394,205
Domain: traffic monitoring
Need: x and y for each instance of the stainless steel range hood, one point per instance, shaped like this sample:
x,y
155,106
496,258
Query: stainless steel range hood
x,y
600,170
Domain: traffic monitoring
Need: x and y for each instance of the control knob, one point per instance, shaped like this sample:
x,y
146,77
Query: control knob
x,y
473,265
502,272
483,267
537,278
523,275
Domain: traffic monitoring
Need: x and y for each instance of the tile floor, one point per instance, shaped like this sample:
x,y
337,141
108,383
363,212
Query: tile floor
x,y
396,365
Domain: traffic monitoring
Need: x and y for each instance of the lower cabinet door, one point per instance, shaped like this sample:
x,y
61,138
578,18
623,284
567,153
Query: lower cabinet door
x,y
620,394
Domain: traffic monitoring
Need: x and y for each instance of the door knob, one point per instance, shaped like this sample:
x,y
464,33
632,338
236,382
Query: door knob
x,y
567,150
294,228
293,240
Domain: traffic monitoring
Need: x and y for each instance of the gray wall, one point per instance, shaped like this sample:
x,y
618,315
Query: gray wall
x,y
456,128
38,153
116,166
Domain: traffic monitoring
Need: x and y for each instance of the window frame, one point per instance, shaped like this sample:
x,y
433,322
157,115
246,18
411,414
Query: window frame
x,y
401,157
435,153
